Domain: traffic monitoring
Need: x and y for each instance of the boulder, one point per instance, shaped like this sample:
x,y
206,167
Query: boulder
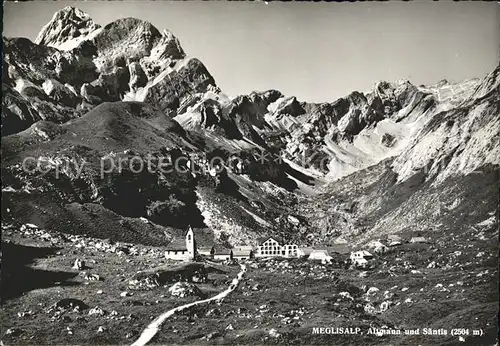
x,y
70,304
14,331
274,333
377,247
97,311
184,289
63,94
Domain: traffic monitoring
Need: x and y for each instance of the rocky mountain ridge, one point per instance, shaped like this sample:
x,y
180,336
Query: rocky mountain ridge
x,y
63,101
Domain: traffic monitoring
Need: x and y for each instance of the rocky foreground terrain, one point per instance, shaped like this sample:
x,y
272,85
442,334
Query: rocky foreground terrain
x,y
71,289
403,159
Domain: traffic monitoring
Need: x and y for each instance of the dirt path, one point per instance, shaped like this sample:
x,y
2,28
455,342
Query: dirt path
x,y
154,326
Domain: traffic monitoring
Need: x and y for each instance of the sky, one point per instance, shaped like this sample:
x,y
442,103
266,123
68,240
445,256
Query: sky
x,y
317,52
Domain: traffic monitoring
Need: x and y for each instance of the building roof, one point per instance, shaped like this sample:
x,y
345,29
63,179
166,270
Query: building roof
x,y
242,253
320,251
306,250
363,252
177,245
222,251
374,243
243,247
206,250
361,260
339,248
394,237
264,239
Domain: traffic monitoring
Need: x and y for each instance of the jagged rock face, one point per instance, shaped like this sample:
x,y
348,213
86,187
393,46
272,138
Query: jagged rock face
x,y
36,63
444,179
60,93
253,108
81,65
45,80
132,60
190,78
124,39
335,137
138,78
130,40
167,47
210,114
129,59
290,107
458,141
17,112
108,87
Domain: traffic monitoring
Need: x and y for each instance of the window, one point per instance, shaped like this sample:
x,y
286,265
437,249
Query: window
x,y
189,237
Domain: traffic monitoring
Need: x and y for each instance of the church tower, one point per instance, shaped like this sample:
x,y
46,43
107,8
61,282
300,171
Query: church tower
x,y
190,244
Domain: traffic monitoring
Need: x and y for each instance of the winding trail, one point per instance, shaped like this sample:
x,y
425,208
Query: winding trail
x,y
150,331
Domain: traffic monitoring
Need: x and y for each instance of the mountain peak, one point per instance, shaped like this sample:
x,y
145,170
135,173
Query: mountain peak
x,y
72,11
67,28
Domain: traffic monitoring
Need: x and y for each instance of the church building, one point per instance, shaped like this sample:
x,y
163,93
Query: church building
x,y
182,250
